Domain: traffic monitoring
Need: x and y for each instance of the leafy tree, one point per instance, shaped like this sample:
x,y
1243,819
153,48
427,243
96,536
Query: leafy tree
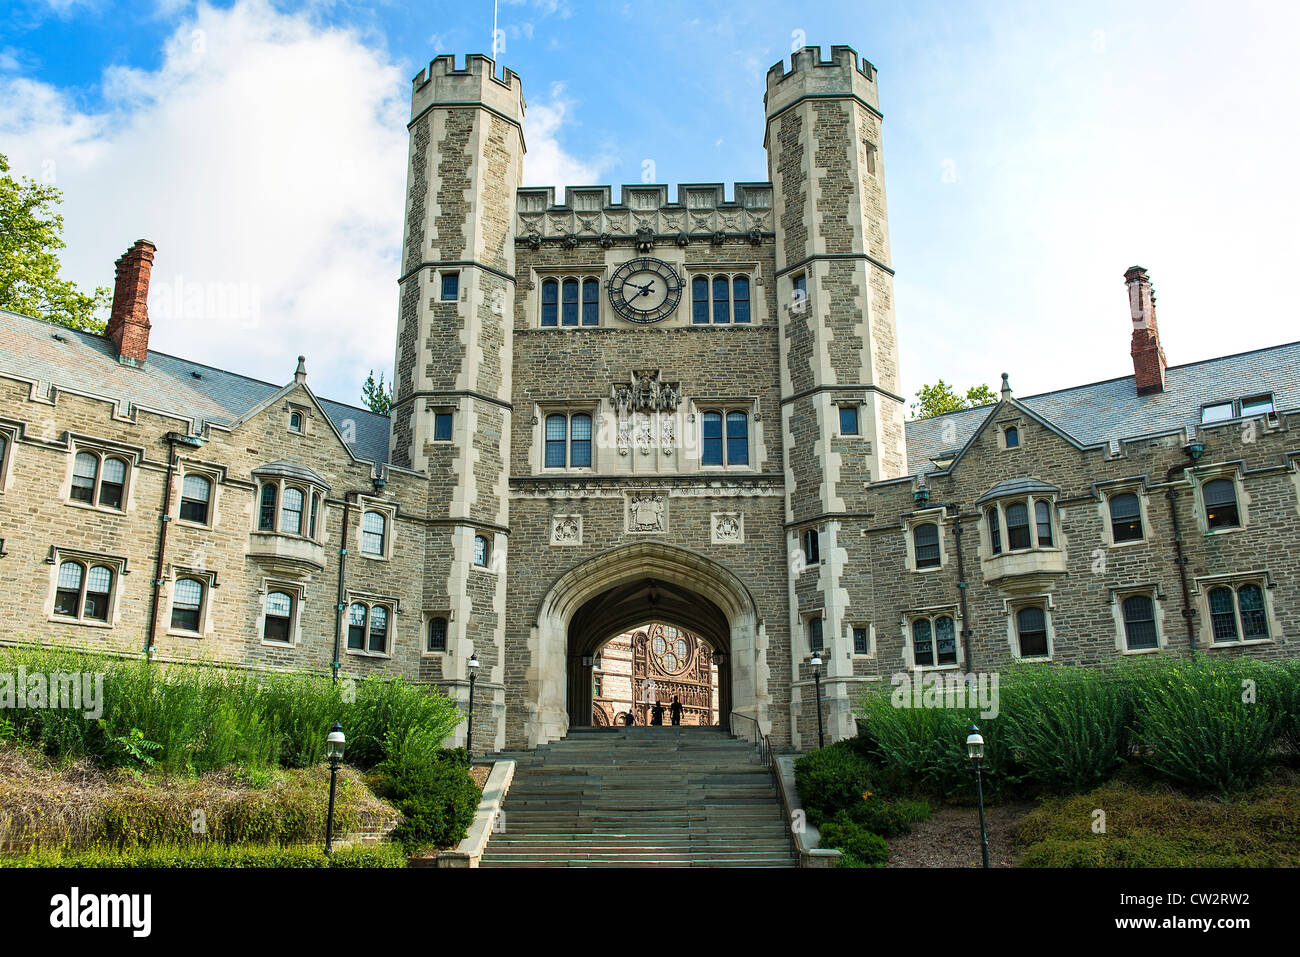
x,y
377,397
30,232
941,398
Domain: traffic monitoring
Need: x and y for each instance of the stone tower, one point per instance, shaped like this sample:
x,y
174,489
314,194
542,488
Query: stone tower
x,y
842,413
452,401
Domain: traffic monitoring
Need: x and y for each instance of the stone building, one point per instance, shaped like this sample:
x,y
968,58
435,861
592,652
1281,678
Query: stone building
x,y
654,664
679,408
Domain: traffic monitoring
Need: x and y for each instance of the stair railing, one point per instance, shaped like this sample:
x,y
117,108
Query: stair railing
x,y
755,736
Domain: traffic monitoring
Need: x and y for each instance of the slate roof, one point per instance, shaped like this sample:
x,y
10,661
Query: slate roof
x,y
1020,486
86,362
1110,410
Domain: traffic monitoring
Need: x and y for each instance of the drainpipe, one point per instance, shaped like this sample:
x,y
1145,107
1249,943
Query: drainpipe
x,y
165,519
1180,560
962,587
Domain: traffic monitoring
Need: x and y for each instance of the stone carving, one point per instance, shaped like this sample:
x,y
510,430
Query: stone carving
x,y
570,241
533,241
647,512
683,240
605,240
756,237
719,238
644,433
646,393
645,239
666,434
566,530
728,528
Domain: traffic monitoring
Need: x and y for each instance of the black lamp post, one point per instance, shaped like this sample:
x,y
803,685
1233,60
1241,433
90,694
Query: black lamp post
x,y
469,733
975,748
816,661
334,750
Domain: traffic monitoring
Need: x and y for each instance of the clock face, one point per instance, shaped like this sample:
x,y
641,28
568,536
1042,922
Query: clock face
x,y
644,290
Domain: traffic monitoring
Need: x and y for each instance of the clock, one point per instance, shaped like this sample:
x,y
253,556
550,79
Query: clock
x,y
644,290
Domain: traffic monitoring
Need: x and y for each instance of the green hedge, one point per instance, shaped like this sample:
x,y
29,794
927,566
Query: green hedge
x,y
432,788
197,718
220,855
831,779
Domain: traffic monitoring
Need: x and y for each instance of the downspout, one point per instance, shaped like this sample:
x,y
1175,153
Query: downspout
x,y
1179,558
962,587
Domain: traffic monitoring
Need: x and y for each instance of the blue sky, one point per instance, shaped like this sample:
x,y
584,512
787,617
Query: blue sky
x,y
1032,153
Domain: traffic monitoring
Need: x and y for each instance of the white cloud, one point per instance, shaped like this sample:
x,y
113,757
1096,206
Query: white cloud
x,y
266,157
547,163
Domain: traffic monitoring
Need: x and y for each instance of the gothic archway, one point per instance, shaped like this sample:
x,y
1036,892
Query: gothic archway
x,y
627,586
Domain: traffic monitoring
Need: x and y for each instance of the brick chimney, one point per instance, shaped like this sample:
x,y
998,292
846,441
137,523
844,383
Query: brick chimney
x,y
128,323
1148,356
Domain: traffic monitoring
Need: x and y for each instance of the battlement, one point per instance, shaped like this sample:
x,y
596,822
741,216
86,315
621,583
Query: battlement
x,y
645,198
442,83
843,58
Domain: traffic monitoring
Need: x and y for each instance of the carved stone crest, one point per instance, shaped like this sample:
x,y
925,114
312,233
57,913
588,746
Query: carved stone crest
x,y
647,512
727,528
645,239
566,530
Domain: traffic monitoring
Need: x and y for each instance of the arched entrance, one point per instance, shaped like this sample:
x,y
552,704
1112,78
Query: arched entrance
x,y
627,586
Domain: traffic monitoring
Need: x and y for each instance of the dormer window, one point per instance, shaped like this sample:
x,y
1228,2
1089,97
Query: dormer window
x,y
1245,407
1257,405
295,421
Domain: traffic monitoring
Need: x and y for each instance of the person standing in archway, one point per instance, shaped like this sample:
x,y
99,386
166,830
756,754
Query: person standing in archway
x,y
657,714
676,710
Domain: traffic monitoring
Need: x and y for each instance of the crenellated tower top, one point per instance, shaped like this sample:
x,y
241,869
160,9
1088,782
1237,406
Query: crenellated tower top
x,y
845,73
475,84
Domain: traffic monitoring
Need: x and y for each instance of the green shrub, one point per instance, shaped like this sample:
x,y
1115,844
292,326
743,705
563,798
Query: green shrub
x,y
1066,728
1197,729
219,855
430,786
928,745
859,845
886,818
831,779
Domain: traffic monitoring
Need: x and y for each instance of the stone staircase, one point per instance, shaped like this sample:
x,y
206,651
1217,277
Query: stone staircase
x,y
642,797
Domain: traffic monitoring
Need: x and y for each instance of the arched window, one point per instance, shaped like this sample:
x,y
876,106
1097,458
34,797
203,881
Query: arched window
x,y
1221,504
925,542
357,626
740,298
98,481
1043,518
1017,526
556,425
721,299
737,438
82,592
995,529
481,551
934,641
569,303
711,438
945,641
378,641
437,634
550,302
295,421
266,514
1250,602
187,601
1139,622
580,440
922,642
374,531
1012,436
1223,617
196,496
700,300
278,624
1031,626
291,511
1125,517
85,472
590,302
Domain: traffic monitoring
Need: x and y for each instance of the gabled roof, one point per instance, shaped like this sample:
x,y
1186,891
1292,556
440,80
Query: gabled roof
x,y
1020,486
85,362
1104,411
